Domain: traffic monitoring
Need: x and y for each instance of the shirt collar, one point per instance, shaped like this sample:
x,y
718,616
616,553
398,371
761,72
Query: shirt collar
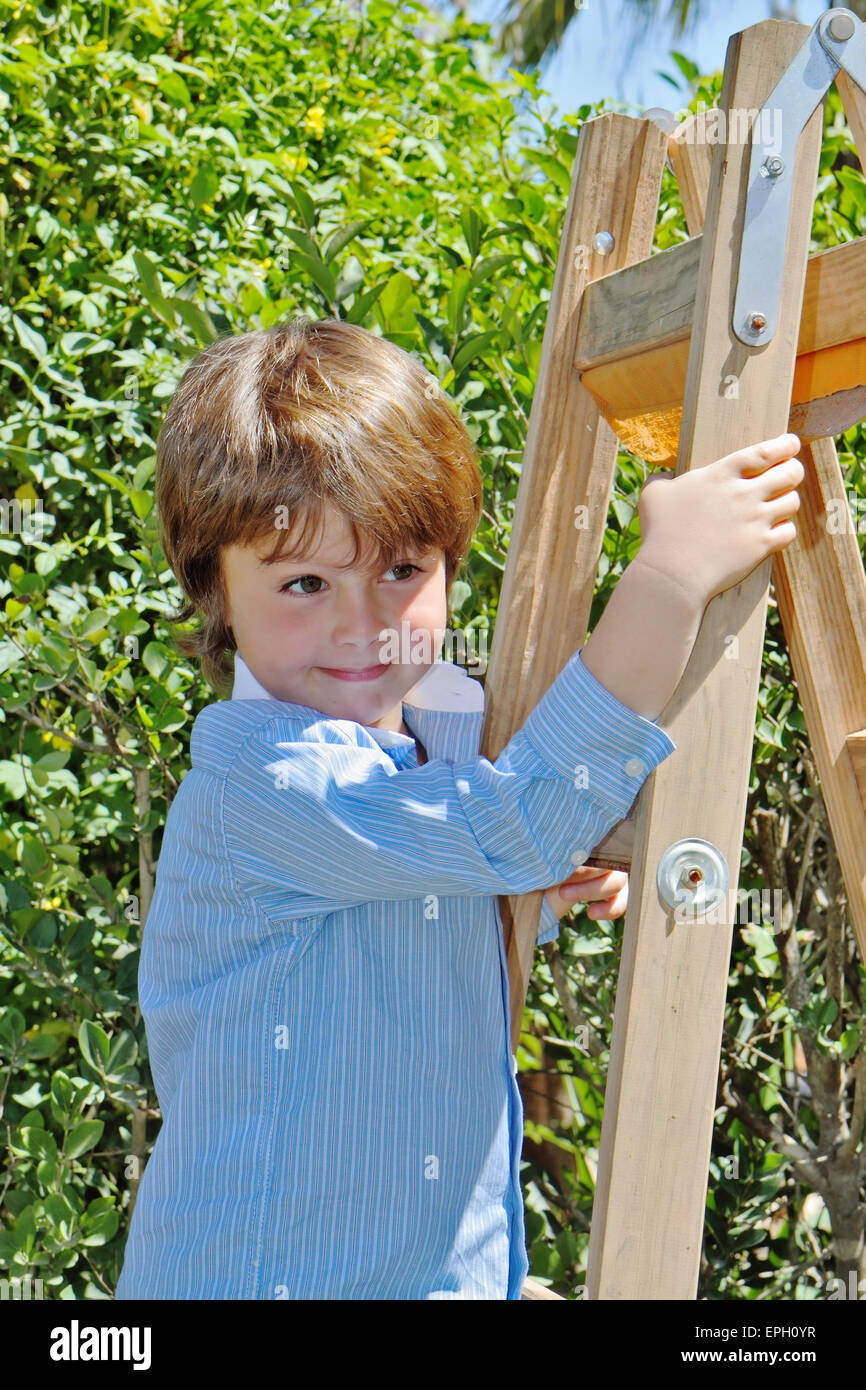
x,y
444,688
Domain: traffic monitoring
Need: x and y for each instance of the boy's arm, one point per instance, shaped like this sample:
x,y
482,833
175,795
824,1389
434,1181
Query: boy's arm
x,y
642,642
701,533
314,824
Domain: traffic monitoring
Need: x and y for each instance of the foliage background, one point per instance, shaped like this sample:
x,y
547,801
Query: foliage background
x,y
166,180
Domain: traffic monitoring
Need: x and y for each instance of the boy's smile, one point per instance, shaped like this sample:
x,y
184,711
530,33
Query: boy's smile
x,y
316,633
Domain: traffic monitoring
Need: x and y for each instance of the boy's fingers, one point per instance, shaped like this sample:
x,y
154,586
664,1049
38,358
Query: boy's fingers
x,y
594,889
659,473
756,458
611,908
589,871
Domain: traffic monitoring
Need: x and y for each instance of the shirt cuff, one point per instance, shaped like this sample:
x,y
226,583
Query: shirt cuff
x,y
586,734
548,924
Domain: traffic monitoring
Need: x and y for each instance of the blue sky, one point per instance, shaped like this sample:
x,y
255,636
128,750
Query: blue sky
x,y
594,61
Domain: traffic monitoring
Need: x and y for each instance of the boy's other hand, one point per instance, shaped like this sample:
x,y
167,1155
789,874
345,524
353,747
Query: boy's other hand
x,y
607,889
708,528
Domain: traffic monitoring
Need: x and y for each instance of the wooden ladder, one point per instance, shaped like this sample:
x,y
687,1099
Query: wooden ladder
x,y
642,348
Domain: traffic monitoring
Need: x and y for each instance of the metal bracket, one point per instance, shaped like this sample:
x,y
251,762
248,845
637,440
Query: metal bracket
x,y
837,40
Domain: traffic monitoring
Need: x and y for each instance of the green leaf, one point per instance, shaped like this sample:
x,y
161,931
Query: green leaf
x,y
34,855
349,280
37,1142
53,761
12,1025
75,345
174,87
82,1138
457,298
363,303
318,273
94,1044
590,945
113,480
59,1209
342,236
44,933
459,592
62,1092
204,185
556,171
433,149
397,290
685,65
41,1045
485,268
156,659
473,347
149,275
94,621
30,339
197,319
124,1051
251,299
473,226
99,1229
850,1042
304,204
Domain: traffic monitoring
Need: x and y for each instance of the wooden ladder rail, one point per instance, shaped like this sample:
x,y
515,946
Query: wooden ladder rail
x,y
648,1215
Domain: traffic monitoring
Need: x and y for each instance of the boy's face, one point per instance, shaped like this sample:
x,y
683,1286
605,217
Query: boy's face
x,y
300,626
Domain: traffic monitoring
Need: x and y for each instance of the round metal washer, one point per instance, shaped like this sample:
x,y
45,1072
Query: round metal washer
x,y
693,876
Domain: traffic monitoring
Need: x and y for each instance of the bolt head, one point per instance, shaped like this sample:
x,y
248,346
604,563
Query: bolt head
x,y
756,323
603,243
772,167
840,27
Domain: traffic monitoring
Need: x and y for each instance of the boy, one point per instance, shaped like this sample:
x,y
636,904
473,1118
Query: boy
x,y
322,975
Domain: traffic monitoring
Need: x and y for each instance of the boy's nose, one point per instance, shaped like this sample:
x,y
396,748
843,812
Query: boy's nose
x,y
358,621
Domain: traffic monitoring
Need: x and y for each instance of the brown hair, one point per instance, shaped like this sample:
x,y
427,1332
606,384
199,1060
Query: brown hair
x,y
286,421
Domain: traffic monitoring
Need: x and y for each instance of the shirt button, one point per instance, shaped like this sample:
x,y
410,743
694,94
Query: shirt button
x,y
634,767
579,857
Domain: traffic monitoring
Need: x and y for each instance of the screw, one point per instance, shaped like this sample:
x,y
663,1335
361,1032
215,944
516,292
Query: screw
x,y
840,27
602,242
756,323
692,876
772,167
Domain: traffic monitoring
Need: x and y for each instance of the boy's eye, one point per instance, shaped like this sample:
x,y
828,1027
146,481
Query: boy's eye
x,y
304,578
286,588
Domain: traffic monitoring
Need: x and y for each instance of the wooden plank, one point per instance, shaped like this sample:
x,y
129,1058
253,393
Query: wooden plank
x,y
648,1214
570,457
635,331
641,397
651,305
855,746
690,151
854,105
638,310
820,589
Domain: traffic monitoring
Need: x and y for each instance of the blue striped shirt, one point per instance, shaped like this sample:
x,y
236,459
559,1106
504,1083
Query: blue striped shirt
x,y
325,995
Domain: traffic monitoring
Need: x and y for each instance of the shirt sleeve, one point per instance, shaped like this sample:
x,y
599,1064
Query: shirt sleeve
x,y
313,825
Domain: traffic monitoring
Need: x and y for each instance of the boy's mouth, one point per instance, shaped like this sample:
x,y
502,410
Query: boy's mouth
x,y
366,673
